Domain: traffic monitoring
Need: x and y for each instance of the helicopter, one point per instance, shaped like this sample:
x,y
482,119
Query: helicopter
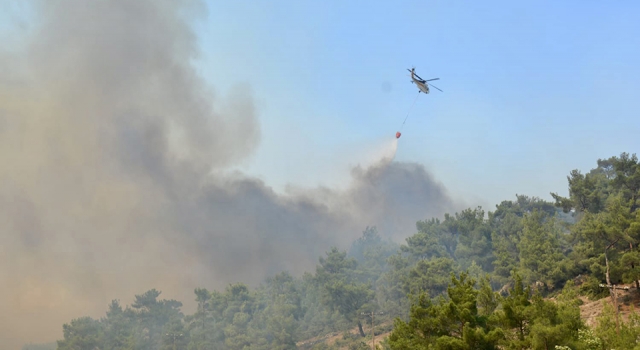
x,y
421,83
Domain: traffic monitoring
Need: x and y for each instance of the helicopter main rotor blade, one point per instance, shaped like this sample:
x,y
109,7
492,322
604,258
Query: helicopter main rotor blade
x,y
432,79
435,87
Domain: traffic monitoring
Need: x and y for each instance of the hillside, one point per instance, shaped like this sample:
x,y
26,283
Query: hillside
x,y
628,302
461,279
628,299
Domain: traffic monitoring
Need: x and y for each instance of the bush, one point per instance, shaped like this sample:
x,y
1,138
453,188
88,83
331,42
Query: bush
x,y
591,288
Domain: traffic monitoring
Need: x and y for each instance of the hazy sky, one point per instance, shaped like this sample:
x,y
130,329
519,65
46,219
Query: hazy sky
x,y
108,135
532,90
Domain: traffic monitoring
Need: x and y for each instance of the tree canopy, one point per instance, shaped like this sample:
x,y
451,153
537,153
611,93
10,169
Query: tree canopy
x,y
501,279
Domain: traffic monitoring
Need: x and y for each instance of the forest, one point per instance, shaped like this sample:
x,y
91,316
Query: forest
x,y
511,278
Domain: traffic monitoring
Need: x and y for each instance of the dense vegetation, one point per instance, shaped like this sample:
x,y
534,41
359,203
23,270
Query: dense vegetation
x,y
468,281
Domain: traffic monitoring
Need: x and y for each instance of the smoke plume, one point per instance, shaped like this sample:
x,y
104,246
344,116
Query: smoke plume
x,y
108,139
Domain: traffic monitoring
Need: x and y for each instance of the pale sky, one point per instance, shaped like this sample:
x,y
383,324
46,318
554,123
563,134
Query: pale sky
x,y
532,90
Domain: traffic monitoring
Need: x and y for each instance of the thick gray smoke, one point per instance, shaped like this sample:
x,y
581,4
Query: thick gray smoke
x,y
108,138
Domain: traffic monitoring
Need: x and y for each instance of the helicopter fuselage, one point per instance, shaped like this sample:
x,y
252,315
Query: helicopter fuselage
x,y
422,86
